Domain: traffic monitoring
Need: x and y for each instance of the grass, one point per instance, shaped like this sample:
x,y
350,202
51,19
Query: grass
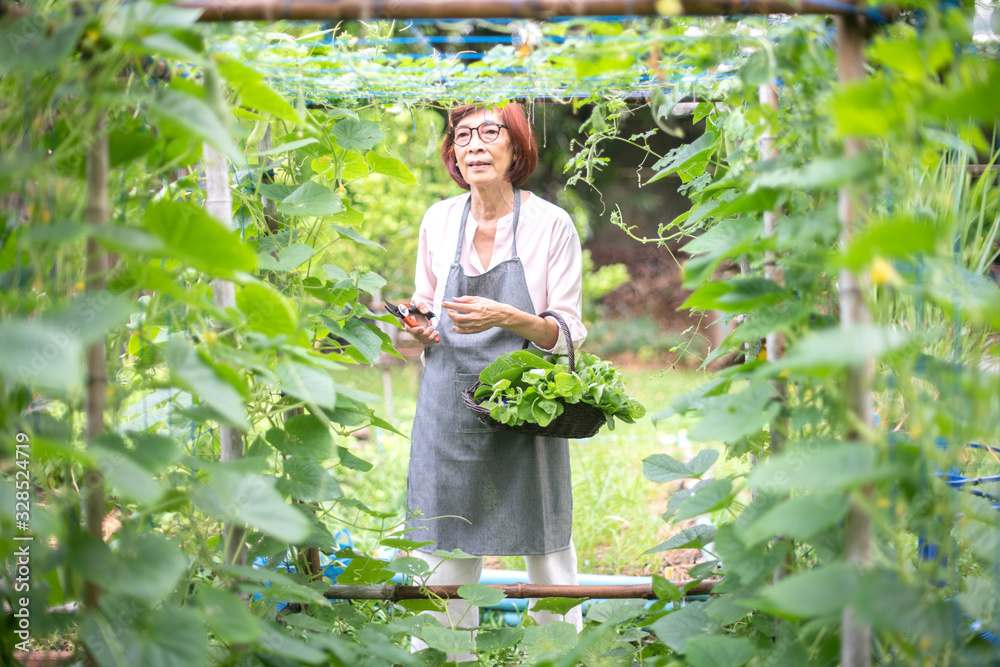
x,y
616,510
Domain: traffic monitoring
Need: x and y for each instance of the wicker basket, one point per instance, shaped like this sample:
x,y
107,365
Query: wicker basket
x,y
578,420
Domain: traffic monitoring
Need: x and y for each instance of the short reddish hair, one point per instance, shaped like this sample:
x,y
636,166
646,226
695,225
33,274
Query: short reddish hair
x,y
522,139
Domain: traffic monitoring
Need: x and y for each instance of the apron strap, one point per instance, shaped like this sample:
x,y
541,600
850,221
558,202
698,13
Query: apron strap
x,y
465,218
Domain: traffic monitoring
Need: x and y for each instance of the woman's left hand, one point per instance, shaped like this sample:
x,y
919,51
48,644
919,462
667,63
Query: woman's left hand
x,y
473,314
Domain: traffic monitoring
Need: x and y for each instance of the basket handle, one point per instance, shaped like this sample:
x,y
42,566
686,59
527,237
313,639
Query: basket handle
x,y
565,329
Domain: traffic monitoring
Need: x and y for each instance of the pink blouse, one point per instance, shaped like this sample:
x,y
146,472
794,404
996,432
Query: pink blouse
x,y
547,243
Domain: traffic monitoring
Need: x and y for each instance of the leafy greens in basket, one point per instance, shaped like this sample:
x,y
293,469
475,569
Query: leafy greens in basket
x,y
525,386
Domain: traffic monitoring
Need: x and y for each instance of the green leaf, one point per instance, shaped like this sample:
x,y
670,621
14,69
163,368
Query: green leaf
x,y
311,200
549,640
307,383
192,116
252,500
710,498
498,639
227,615
757,70
481,595
42,354
190,371
290,257
689,159
829,173
614,612
557,605
664,468
448,640
719,651
364,570
26,46
736,295
357,135
354,236
124,474
822,591
891,238
165,637
678,627
267,311
370,282
816,465
403,544
304,479
730,417
799,518
414,567
349,460
146,566
665,589
283,148
283,644
835,348
303,435
197,239
390,167
694,537
358,334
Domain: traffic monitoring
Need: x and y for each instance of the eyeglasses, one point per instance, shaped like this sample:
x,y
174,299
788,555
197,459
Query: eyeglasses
x,y
488,133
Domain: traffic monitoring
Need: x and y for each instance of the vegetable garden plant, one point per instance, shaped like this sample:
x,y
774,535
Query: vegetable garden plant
x,y
101,165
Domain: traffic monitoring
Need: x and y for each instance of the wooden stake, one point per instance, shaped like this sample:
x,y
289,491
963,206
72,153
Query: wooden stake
x,y
395,593
98,213
219,203
326,10
855,637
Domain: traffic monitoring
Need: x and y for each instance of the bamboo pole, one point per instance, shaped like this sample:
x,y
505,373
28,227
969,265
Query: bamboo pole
x,y
98,213
219,203
855,638
334,10
395,592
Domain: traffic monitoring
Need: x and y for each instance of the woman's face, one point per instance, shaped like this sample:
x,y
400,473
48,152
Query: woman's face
x,y
484,164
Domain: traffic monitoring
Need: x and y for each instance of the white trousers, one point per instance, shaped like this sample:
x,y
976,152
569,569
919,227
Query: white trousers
x,y
554,568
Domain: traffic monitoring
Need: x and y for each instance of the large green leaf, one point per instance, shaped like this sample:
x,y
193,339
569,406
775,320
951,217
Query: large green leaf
x,y
192,117
677,628
711,497
730,417
664,468
719,651
166,637
357,135
307,383
817,465
689,160
448,640
40,353
195,238
736,295
252,91
25,45
901,237
491,641
192,372
557,605
227,615
290,257
252,500
145,566
122,472
799,518
836,348
304,479
358,334
694,537
267,311
303,435
390,167
820,173
549,640
822,591
481,595
311,200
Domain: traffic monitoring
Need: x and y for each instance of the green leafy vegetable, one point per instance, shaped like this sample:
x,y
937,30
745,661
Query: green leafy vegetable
x,y
531,386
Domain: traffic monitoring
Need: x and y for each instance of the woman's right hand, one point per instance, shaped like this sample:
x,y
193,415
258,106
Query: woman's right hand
x,y
424,333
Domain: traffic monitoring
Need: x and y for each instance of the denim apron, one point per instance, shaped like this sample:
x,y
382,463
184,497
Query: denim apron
x,y
482,490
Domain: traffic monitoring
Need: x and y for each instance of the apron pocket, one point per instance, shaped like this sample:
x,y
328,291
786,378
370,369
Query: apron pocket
x,y
466,422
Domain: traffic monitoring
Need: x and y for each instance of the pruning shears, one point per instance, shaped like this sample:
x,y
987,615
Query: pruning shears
x,y
405,312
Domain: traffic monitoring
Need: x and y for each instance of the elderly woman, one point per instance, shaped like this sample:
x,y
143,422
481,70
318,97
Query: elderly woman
x,y
488,261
